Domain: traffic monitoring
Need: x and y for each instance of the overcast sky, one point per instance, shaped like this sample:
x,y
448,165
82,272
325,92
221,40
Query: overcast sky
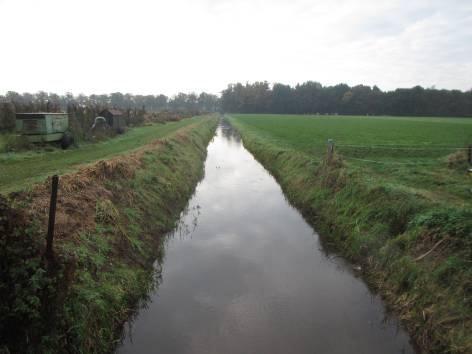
x,y
153,46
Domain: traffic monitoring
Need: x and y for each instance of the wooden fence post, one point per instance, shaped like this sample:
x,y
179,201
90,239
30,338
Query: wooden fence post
x,y
52,217
330,149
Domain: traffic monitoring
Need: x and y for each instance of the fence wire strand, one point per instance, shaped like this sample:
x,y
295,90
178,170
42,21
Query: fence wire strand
x,y
391,162
402,147
399,147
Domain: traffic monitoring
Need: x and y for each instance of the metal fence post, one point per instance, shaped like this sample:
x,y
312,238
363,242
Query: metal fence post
x,y
52,217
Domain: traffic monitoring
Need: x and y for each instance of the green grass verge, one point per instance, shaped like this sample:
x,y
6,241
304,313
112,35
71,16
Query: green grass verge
x,y
22,169
101,274
378,222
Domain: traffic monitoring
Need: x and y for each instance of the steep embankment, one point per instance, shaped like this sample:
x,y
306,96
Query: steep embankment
x,y
110,217
415,252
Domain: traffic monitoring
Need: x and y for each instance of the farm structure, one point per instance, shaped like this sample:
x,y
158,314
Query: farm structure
x,y
115,119
42,127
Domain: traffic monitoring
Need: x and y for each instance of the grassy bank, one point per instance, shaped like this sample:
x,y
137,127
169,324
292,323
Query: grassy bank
x,y
21,169
111,216
413,239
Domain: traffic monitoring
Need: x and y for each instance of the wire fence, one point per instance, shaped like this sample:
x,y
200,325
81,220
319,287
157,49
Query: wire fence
x,y
404,147
411,163
423,155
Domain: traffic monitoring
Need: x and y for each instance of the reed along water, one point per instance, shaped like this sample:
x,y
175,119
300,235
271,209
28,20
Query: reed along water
x,y
244,273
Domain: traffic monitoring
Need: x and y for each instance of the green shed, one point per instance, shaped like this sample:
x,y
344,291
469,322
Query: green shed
x,y
42,127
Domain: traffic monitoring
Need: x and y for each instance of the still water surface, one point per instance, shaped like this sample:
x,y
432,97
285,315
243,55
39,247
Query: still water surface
x,y
244,273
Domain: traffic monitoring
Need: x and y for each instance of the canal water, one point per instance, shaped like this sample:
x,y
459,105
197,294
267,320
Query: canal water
x,y
244,273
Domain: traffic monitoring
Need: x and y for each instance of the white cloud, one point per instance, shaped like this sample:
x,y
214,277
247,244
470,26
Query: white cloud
x,y
145,46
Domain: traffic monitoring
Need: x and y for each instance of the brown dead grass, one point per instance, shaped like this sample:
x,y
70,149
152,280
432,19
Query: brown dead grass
x,y
78,194
80,190
165,116
457,159
429,246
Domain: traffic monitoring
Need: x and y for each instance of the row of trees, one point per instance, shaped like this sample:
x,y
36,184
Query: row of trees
x,y
258,97
312,97
85,108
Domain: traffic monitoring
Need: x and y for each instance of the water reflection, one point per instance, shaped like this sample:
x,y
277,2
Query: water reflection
x,y
187,223
244,273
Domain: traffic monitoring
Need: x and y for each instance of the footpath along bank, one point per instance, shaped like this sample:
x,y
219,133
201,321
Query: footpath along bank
x,y
111,215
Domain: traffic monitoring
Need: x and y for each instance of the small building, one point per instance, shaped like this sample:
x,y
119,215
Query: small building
x,y
42,126
115,119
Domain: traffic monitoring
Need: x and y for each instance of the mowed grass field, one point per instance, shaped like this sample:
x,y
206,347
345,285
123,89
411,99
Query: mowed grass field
x,y
19,170
404,152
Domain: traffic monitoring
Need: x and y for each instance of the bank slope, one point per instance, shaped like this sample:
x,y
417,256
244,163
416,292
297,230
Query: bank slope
x,y
111,216
415,252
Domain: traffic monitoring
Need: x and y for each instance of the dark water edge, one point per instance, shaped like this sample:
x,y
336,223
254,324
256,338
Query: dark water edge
x,y
243,272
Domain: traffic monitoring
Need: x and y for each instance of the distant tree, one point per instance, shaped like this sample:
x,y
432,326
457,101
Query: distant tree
x,y
7,116
161,102
191,103
282,99
117,99
312,97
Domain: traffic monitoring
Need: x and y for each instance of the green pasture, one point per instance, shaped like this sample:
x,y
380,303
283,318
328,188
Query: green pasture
x,y
411,153
399,137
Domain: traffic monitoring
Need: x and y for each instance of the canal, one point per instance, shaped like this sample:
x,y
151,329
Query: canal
x,y
244,273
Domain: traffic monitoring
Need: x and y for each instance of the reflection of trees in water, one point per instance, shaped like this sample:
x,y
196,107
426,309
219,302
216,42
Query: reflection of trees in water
x,y
187,223
229,132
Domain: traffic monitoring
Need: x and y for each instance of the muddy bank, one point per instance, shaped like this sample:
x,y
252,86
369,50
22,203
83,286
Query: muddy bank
x,y
415,253
110,217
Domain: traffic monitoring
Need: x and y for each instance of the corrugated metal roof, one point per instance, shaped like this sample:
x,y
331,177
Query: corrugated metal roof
x,y
115,112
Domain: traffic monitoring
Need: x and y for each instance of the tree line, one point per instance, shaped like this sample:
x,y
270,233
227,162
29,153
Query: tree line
x,y
83,109
259,97
312,97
